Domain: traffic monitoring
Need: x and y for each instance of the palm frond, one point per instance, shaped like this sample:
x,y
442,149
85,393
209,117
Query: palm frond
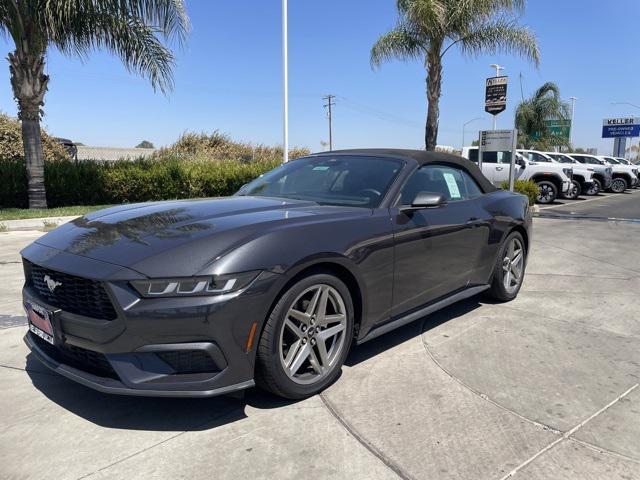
x,y
398,43
505,36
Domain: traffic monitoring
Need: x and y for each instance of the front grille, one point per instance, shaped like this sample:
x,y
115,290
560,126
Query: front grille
x,y
189,361
72,294
85,360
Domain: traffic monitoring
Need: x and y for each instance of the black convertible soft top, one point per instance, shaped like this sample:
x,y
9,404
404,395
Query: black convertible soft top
x,y
422,157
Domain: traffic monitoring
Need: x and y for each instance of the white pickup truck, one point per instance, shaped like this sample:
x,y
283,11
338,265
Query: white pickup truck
x,y
553,179
583,175
618,166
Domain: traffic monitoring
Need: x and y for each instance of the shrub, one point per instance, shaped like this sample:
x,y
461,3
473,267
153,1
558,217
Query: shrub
x,y
525,187
95,183
11,142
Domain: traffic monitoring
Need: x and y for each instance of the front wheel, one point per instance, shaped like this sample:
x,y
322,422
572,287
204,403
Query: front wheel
x,y
306,337
547,192
594,188
618,185
508,272
574,191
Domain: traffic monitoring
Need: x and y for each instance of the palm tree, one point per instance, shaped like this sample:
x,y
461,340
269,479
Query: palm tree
x,y
134,30
531,115
428,29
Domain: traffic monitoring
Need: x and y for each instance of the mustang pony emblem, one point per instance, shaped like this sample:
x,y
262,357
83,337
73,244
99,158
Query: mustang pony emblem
x,y
51,283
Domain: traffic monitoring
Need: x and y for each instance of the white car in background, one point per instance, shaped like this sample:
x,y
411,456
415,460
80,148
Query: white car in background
x,y
617,165
552,178
603,172
582,179
591,177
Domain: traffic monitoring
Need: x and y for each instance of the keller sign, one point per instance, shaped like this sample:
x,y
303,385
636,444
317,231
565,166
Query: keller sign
x,y
621,127
495,97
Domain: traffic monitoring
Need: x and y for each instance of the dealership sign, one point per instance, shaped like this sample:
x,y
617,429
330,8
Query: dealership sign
x,y
621,127
497,140
495,96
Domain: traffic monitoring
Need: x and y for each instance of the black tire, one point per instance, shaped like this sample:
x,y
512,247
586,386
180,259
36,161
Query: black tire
x,y
270,372
619,185
574,191
547,192
595,188
498,291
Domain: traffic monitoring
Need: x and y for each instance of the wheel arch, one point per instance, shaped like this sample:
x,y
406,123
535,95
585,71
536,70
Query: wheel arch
x,y
555,179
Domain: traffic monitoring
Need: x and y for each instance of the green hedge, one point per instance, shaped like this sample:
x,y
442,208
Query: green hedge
x,y
525,187
92,183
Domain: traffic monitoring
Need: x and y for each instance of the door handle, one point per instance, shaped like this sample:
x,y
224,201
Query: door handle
x,y
473,220
499,168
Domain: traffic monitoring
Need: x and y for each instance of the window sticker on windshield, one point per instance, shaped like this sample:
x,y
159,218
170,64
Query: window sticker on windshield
x,y
454,192
320,169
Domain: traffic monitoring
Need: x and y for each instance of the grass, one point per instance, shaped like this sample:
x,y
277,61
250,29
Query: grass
x,y
20,213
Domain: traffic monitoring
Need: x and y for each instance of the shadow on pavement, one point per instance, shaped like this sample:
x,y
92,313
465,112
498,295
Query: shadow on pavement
x,y
146,413
196,414
396,337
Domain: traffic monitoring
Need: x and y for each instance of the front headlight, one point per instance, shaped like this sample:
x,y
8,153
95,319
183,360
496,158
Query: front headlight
x,y
193,286
591,169
568,172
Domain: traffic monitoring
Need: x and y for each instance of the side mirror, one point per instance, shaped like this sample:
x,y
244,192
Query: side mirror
x,y
425,200
521,162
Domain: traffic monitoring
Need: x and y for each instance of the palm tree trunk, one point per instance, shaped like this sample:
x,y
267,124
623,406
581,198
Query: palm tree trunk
x,y
434,89
29,85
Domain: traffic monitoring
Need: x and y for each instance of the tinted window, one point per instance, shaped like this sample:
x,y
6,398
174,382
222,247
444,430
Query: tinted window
x,y
535,157
338,180
453,183
490,157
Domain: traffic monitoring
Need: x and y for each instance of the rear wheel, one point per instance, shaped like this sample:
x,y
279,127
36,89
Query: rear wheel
x,y
595,187
547,192
574,192
306,338
508,271
618,185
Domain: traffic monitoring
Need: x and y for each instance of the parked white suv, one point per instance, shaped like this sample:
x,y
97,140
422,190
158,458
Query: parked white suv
x,y
583,175
552,178
582,179
602,175
618,166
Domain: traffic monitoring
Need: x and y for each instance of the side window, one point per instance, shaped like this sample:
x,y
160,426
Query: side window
x,y
453,183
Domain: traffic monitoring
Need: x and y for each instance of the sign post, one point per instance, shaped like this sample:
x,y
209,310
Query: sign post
x,y
495,96
499,141
620,129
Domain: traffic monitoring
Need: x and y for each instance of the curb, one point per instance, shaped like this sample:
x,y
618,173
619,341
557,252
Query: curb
x,y
43,224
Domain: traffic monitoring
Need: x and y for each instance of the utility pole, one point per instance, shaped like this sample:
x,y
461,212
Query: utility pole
x,y
330,103
573,110
285,81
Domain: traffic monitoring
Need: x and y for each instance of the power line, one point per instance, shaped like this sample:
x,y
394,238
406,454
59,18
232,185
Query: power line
x,y
330,103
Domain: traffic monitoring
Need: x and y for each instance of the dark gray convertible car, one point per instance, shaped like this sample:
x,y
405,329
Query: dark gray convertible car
x,y
275,284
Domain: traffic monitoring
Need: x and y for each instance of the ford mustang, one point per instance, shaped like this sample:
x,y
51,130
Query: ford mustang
x,y
275,284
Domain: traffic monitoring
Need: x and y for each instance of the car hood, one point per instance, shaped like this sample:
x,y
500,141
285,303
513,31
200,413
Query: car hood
x,y
179,238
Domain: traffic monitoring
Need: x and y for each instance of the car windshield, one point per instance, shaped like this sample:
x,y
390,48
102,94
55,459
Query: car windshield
x,y
563,159
612,160
345,180
589,160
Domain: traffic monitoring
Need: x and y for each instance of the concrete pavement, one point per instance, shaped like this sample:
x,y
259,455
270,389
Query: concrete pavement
x,y
544,387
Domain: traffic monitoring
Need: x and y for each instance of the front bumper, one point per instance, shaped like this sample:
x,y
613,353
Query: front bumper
x,y
167,347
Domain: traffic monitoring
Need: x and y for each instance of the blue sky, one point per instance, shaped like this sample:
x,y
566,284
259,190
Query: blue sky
x,y
228,77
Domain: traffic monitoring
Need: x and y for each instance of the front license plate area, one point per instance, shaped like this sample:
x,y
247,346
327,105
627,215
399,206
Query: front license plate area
x,y
40,322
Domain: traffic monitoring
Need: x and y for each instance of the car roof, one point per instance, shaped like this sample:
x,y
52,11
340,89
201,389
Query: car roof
x,y
423,157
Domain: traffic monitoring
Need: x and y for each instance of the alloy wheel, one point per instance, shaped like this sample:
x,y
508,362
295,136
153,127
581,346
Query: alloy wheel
x,y
313,334
545,193
574,191
594,188
618,185
513,265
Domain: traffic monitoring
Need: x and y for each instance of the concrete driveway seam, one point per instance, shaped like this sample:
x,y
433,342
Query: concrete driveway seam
x,y
597,277
623,267
393,466
482,395
567,435
599,449
146,449
562,320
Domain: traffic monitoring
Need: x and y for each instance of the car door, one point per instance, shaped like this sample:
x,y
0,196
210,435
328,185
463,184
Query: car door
x,y
436,249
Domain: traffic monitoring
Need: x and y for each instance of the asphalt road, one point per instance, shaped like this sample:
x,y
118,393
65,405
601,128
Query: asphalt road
x,y
544,387
603,206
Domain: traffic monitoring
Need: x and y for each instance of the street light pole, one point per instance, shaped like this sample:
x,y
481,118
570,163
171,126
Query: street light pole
x,y
573,109
498,68
465,124
285,81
